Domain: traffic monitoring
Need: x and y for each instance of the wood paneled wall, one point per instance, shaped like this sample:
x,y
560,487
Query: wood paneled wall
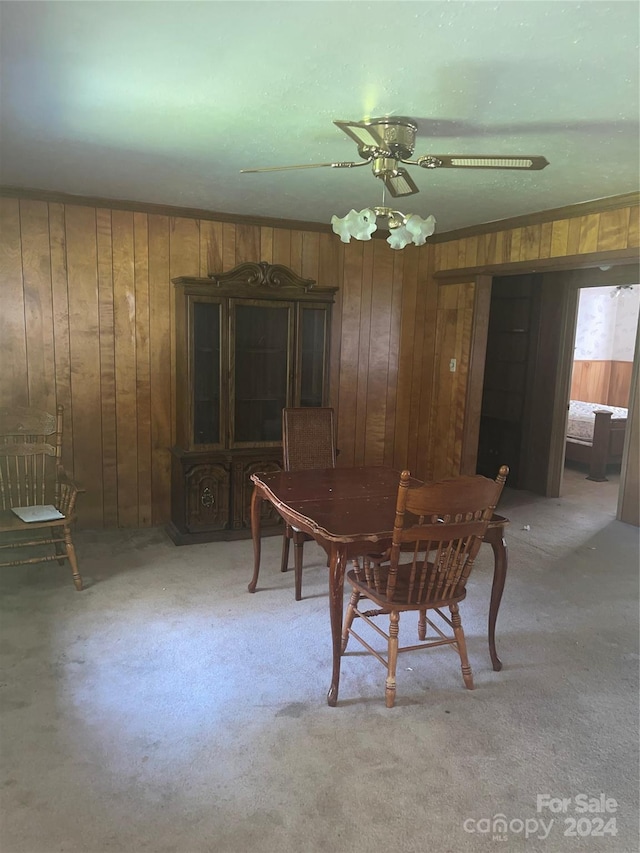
x,y
607,231
606,382
87,321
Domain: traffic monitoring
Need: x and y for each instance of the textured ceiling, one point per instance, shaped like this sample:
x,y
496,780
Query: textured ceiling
x,y
165,102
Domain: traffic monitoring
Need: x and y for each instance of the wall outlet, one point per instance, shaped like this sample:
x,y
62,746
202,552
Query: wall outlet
x,y
452,365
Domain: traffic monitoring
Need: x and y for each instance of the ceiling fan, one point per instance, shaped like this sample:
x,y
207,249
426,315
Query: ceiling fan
x,y
386,142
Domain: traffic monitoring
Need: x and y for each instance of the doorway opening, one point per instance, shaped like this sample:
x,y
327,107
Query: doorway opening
x,y
604,347
529,369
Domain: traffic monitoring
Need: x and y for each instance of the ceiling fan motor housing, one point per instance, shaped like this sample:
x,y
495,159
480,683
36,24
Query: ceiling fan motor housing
x,y
397,135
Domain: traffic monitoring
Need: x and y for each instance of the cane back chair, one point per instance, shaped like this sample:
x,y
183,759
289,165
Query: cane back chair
x,y
33,480
308,441
438,530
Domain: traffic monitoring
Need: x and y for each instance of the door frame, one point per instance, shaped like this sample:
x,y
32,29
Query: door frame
x,y
576,267
477,354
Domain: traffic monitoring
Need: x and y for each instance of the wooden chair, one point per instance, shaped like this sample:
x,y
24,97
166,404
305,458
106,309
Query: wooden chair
x,y
438,529
31,475
308,441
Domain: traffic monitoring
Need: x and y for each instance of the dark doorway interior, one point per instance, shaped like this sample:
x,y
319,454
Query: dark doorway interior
x,y
514,320
529,350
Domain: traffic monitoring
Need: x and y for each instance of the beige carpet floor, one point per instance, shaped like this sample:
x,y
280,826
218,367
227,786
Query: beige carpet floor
x,y
165,709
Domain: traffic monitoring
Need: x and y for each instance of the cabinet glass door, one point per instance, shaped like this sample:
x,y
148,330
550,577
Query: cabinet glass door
x,y
313,355
261,333
205,365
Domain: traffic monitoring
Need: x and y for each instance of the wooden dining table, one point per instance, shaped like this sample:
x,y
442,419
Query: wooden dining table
x,y
350,513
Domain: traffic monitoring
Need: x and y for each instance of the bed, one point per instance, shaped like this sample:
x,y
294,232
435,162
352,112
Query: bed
x,y
595,436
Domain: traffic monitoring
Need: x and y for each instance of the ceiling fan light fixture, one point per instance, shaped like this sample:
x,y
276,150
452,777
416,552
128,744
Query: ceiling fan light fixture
x,y
402,229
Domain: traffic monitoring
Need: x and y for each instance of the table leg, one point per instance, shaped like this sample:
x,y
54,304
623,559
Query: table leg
x,y
498,544
256,504
337,565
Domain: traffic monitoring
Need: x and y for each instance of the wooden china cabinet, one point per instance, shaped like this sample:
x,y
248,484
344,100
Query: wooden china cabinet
x,y
249,342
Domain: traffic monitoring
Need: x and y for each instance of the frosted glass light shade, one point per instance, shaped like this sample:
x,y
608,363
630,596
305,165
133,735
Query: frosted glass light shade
x,y
420,228
357,223
399,238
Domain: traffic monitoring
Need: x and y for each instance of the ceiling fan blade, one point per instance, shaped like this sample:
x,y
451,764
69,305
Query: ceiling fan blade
x,y
305,166
481,161
365,135
401,184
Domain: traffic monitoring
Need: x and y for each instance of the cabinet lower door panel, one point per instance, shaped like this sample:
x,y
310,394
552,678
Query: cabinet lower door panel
x,y
207,497
211,496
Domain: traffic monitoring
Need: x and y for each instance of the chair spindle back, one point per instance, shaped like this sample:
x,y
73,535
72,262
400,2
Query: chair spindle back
x,y
444,523
30,454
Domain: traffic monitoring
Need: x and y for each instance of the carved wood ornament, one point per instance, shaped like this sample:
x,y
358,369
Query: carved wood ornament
x,y
263,274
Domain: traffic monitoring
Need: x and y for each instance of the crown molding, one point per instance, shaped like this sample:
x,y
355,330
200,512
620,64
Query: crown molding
x,y
161,209
583,208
